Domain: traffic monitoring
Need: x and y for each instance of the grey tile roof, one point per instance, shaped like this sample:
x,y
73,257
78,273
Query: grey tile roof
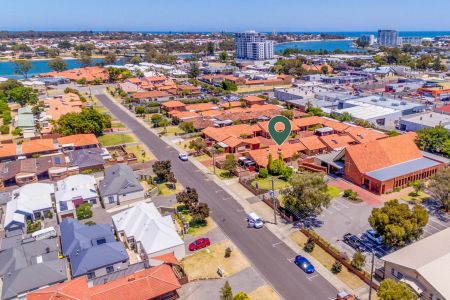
x,y
85,158
30,265
81,244
403,168
119,179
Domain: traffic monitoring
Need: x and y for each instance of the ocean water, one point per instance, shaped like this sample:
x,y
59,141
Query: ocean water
x,y
356,34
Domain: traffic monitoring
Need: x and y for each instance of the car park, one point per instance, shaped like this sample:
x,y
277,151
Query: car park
x,y
353,241
373,236
304,264
199,244
183,156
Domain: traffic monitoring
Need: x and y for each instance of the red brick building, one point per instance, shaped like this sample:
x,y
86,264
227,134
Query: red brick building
x,y
384,164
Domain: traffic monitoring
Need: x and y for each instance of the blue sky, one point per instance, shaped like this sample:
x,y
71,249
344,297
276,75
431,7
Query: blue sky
x,y
227,15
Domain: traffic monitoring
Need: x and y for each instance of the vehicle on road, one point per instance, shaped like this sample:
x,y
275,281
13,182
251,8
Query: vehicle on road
x,y
254,220
374,237
199,244
183,156
304,264
353,241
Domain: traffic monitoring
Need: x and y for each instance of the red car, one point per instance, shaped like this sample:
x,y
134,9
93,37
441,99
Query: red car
x,y
199,244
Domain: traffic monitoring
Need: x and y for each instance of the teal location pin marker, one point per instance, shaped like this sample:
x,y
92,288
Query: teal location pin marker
x,y
280,136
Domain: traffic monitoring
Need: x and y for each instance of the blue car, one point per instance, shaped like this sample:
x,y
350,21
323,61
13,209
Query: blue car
x,y
304,264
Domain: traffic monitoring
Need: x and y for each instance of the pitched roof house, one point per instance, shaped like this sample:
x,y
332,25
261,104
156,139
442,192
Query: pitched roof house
x,y
92,250
152,234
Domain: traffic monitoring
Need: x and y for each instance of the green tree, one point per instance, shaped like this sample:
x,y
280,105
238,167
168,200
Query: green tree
x,y
194,70
188,197
397,223
308,195
110,58
432,139
135,60
210,48
439,187
197,144
162,169
156,118
58,64
84,211
199,213
21,67
288,114
139,110
358,260
241,296
345,117
23,95
85,60
114,74
418,185
230,164
65,44
89,120
223,56
392,290
9,84
229,85
187,127
226,293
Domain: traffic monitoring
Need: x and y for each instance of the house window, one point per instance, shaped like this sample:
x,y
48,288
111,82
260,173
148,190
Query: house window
x,y
111,199
91,275
101,241
94,201
109,269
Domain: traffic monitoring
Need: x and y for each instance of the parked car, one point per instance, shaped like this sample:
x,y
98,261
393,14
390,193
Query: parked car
x,y
183,156
353,241
304,264
199,244
254,220
374,237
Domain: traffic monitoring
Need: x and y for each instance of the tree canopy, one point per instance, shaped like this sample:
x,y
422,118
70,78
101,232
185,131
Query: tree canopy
x,y
22,66
23,95
397,223
162,169
391,290
436,139
439,187
89,120
58,64
308,195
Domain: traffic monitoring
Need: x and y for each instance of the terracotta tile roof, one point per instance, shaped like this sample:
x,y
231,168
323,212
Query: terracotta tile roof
x,y
184,115
38,145
312,143
336,141
364,135
173,104
304,122
222,133
444,109
231,104
336,125
201,107
142,285
253,99
149,94
383,153
8,150
211,113
89,73
134,80
288,150
168,258
79,140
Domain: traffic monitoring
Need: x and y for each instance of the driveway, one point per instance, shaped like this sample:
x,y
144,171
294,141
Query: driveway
x,y
273,265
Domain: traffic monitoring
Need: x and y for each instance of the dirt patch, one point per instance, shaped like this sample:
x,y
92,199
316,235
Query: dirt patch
x,y
265,292
204,263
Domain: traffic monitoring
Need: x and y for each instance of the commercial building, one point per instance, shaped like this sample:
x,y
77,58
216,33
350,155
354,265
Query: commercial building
x,y
252,45
411,40
424,266
425,120
388,38
436,89
369,38
389,163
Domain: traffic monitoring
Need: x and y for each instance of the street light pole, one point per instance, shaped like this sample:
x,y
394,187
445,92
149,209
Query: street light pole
x,y
274,203
213,152
371,276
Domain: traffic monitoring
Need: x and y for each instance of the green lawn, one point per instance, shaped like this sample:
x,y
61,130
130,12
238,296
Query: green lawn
x,y
412,197
166,191
116,139
117,125
266,183
171,130
137,151
333,191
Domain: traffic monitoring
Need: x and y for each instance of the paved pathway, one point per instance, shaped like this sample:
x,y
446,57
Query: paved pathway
x,y
274,264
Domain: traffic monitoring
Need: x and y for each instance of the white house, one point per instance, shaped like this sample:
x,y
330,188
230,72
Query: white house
x,y
73,191
28,202
149,233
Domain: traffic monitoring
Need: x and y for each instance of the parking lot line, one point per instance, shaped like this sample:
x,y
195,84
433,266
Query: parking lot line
x,y
311,277
291,259
341,204
276,244
427,231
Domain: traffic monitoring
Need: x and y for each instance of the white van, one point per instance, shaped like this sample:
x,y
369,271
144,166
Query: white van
x,y
46,233
254,220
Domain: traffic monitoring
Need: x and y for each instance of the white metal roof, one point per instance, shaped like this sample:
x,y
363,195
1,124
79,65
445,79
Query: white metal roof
x,y
367,111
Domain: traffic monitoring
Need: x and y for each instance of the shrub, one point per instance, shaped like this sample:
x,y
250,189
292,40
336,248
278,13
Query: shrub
x,y
4,129
358,260
6,115
228,252
263,173
309,245
84,211
351,195
336,268
17,131
90,223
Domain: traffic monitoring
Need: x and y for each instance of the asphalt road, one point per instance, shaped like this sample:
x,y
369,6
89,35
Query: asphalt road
x,y
267,253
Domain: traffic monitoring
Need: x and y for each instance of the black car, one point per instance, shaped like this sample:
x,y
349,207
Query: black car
x,y
353,241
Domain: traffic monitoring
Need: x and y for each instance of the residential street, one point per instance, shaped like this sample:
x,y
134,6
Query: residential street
x,y
274,263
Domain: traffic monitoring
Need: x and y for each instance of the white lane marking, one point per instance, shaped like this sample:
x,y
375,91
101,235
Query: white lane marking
x,y
341,204
311,277
291,259
276,244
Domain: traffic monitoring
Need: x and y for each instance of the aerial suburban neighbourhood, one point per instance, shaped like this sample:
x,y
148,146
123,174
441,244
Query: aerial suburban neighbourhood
x,y
308,159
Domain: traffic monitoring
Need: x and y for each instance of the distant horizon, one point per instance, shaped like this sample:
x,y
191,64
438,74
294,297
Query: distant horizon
x,y
218,31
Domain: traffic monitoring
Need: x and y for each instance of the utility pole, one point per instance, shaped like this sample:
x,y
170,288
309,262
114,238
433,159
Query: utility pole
x,y
371,276
274,202
213,152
